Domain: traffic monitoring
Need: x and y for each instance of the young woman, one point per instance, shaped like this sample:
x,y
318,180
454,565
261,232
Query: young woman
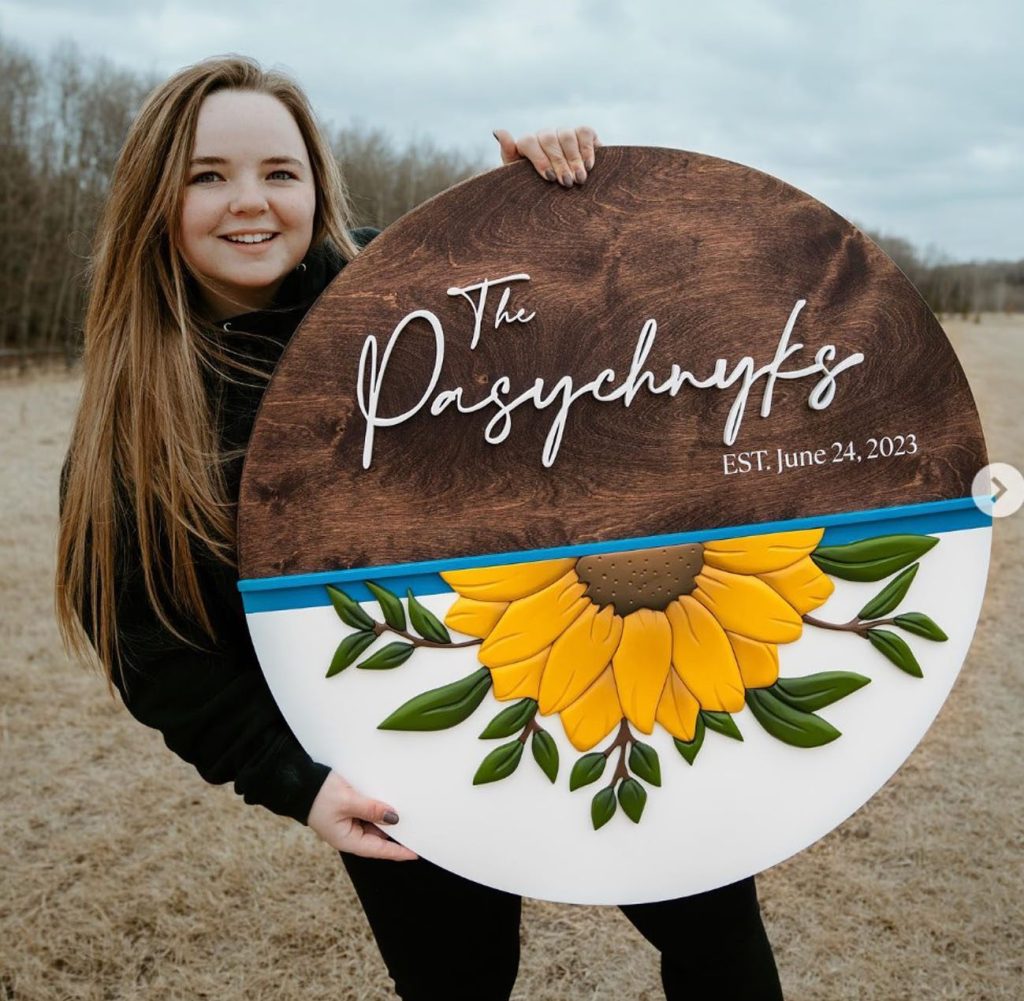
x,y
226,218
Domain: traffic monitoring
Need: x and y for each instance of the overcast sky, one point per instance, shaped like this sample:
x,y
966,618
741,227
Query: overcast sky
x,y
905,117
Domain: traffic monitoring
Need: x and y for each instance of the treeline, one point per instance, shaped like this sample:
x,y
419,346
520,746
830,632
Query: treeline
x,y
63,119
62,122
958,289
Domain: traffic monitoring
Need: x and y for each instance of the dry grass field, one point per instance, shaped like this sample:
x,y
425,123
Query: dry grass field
x,y
124,876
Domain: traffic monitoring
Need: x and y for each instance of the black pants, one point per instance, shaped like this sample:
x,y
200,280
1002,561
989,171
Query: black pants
x,y
712,944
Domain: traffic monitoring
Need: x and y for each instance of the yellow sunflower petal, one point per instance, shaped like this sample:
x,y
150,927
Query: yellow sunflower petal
x,y
641,665
703,658
533,623
520,680
761,553
748,606
578,656
474,618
506,583
759,662
803,585
594,714
677,708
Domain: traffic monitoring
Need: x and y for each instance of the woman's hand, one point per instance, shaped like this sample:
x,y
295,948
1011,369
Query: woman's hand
x,y
563,155
348,821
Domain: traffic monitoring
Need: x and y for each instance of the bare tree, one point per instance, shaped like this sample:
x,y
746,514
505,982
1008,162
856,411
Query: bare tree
x,y
61,125
385,182
957,288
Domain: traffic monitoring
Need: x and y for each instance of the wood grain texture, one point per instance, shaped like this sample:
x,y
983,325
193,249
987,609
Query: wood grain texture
x,y
717,254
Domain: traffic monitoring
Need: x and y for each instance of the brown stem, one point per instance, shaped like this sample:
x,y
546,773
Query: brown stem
x,y
531,726
380,628
622,741
855,625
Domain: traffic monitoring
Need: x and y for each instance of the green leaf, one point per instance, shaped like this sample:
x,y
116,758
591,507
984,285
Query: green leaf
x,y
872,559
791,726
348,650
545,753
349,611
633,798
689,748
721,723
895,648
510,720
425,622
390,605
388,657
815,691
644,763
441,707
919,624
500,763
602,808
890,595
588,769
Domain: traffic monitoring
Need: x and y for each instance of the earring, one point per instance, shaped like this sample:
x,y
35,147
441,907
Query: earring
x,y
301,266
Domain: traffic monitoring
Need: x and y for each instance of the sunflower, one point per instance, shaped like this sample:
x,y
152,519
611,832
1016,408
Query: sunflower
x,y
652,635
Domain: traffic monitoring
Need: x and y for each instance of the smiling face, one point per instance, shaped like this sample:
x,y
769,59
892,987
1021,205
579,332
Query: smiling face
x,y
247,214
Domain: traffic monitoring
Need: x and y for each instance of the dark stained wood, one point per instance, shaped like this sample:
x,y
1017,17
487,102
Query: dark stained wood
x,y
718,254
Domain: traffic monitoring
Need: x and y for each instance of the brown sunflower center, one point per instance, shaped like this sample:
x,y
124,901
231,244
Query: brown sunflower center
x,y
644,578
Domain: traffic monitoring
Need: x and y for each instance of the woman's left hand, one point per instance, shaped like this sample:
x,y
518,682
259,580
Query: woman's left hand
x,y
563,155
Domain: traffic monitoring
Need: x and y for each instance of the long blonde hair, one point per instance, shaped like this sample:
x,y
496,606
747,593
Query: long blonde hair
x,y
144,448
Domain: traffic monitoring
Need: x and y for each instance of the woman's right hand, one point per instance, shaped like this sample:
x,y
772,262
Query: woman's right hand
x,y
348,821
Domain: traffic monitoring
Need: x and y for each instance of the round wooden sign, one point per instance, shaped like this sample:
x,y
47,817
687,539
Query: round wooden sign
x,y
621,537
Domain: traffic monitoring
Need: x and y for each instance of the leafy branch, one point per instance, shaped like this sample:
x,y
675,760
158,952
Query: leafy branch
x,y
635,756
431,631
872,560
504,760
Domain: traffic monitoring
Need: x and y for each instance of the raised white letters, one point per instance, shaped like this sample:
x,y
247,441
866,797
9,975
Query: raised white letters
x,y
564,392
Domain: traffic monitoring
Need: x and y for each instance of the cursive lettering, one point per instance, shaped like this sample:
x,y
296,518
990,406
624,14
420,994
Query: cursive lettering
x,y
605,387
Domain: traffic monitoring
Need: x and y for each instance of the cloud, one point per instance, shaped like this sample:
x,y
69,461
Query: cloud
x,y
903,115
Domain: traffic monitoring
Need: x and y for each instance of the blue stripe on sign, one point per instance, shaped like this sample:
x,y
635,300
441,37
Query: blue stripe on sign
x,y
269,594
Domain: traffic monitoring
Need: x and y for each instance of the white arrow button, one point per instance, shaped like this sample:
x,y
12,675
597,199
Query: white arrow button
x,y
998,489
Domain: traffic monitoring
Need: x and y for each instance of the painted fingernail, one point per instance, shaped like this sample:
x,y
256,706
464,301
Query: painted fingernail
x,y
581,175
391,817
549,174
567,179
